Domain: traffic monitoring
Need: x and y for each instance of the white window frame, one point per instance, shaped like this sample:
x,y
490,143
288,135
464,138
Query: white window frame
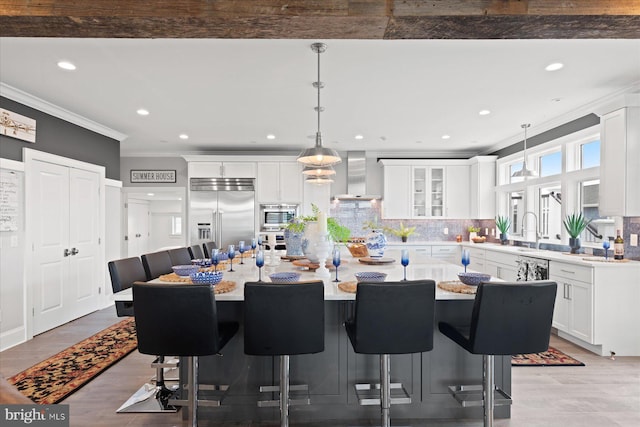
x,y
569,179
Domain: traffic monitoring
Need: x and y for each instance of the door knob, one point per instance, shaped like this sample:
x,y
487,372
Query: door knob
x,y
74,251
66,252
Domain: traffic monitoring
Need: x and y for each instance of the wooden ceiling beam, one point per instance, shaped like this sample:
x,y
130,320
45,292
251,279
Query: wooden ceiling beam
x,y
325,19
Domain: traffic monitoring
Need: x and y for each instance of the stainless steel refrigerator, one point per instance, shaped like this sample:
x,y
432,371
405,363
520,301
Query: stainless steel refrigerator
x,y
222,210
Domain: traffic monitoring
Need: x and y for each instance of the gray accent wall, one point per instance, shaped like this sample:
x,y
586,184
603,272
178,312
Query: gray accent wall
x,y
56,136
555,133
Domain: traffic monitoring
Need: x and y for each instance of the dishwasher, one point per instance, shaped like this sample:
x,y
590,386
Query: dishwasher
x,y
530,268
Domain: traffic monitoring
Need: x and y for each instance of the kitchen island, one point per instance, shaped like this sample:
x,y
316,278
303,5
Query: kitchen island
x,y
332,373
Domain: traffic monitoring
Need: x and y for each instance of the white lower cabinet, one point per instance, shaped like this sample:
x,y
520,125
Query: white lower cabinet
x,y
449,253
477,260
501,265
573,311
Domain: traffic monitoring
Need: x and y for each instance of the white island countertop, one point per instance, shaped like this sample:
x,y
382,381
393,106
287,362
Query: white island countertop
x,y
425,269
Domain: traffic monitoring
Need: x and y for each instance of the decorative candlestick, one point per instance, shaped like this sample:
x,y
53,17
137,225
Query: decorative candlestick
x,y
323,246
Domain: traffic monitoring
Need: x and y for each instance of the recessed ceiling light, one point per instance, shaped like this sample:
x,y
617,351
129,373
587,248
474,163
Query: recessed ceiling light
x,y
556,99
446,136
554,67
358,137
271,136
484,112
142,112
184,136
150,194
66,65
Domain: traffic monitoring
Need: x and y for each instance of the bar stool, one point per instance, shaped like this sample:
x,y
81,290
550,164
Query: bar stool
x,y
195,252
391,318
179,256
208,247
125,272
283,320
192,329
507,318
156,264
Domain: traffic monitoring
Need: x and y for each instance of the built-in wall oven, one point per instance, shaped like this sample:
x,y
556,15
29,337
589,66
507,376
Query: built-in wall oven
x,y
530,268
275,217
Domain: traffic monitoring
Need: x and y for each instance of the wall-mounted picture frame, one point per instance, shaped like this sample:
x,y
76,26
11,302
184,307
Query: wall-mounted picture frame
x,y
152,176
16,126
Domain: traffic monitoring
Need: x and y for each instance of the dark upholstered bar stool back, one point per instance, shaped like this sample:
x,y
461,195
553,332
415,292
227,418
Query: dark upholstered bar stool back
x,y
123,273
507,319
157,264
180,320
207,247
283,320
195,252
180,256
391,318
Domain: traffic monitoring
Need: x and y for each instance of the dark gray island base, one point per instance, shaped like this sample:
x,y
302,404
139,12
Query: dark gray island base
x,y
331,375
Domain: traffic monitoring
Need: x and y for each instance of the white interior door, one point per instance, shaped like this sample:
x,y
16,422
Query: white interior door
x,y
49,195
137,227
84,213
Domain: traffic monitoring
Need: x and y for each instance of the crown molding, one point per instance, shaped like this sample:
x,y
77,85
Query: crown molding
x,y
46,107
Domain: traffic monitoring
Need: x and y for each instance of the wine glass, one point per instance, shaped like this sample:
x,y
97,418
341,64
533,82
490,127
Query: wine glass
x,y
260,241
253,248
215,259
260,263
606,245
231,251
404,260
336,261
465,259
241,249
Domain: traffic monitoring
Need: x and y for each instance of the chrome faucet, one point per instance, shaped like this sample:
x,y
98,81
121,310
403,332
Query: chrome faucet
x,y
538,236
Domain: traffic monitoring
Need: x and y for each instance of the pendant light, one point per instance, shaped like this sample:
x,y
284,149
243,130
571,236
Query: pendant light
x,y
319,156
318,171
524,172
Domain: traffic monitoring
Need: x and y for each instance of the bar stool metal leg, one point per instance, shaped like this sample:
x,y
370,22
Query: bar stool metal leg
x,y
488,389
385,389
284,391
193,391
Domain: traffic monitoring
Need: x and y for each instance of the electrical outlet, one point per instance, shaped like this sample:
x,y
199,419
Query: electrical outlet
x,y
633,240
486,231
446,230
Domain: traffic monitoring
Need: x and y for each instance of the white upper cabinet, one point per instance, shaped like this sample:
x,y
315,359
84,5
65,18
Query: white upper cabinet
x,y
619,157
416,189
482,187
222,169
279,182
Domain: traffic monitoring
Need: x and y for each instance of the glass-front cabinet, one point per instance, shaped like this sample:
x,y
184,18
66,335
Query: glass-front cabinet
x,y
428,191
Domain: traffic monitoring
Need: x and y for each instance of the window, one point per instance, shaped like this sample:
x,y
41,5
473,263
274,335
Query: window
x,y
516,210
590,154
600,227
176,225
550,212
551,164
516,167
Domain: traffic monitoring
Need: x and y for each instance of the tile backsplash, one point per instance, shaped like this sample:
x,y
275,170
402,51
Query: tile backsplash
x,y
354,214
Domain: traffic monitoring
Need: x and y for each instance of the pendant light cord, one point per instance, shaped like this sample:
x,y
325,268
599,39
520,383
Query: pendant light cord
x,y
318,83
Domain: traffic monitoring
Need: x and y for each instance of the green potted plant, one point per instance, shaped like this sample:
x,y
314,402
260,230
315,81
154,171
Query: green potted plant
x,y
402,232
503,224
575,225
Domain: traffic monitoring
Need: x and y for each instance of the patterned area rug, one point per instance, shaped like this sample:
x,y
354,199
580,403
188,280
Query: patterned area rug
x,y
57,377
551,357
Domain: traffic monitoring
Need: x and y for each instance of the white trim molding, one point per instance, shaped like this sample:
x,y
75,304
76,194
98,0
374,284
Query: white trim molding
x,y
59,112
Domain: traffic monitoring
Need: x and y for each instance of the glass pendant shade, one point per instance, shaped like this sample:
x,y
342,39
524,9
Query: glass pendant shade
x,y
318,180
524,172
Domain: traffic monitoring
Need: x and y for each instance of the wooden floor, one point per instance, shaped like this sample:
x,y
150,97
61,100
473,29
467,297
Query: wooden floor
x,y
604,393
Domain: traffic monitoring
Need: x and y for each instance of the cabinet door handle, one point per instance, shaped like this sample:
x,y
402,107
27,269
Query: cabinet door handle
x,y
567,287
568,271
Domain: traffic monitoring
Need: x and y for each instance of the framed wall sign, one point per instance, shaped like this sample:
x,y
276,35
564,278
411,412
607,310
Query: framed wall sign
x,y
17,126
156,176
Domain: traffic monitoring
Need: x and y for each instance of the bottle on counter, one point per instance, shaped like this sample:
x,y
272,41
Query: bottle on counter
x,y
618,246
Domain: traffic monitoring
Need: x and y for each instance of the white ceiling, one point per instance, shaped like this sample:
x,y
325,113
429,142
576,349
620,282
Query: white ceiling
x,y
400,95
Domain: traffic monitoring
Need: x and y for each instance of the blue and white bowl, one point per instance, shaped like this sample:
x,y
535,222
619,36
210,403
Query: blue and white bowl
x,y
206,278
370,276
473,279
285,277
203,262
185,270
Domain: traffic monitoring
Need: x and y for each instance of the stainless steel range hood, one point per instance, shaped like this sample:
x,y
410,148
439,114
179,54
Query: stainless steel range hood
x,y
356,178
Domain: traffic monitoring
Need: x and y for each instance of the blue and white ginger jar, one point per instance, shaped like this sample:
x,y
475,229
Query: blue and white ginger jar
x,y
376,243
